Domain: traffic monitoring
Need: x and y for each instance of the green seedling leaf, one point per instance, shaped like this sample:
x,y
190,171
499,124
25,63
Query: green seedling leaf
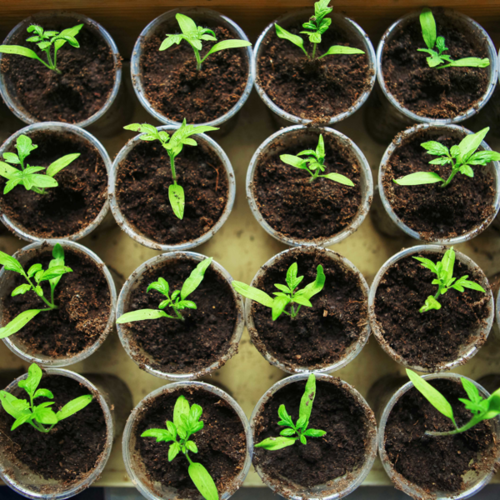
x,y
177,200
20,290
56,166
276,443
227,44
14,407
341,179
253,293
428,24
286,35
195,278
306,403
10,263
181,408
32,381
161,435
18,322
73,407
203,481
341,50
141,315
419,178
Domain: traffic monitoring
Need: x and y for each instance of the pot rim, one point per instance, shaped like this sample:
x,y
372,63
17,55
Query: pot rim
x,y
131,231
58,362
469,350
135,69
366,185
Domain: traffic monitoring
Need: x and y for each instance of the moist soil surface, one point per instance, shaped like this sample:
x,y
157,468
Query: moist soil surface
x,y
319,335
74,203
298,208
84,306
436,336
437,463
142,184
175,88
87,75
316,90
341,450
431,92
204,336
221,443
432,211
70,451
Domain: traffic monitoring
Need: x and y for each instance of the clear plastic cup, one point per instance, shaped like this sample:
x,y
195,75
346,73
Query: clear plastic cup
x,y
7,283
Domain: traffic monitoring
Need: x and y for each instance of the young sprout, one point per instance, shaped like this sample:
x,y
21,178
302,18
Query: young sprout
x,y
298,431
45,40
314,28
186,423
460,157
53,275
481,409
194,35
174,144
41,415
314,163
445,280
288,293
177,301
436,46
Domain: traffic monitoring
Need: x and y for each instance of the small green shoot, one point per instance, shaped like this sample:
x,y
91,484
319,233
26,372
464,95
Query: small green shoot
x,y
481,409
460,157
194,35
314,164
173,144
53,275
41,415
298,431
28,176
288,294
436,46
45,41
177,301
186,423
445,280
314,28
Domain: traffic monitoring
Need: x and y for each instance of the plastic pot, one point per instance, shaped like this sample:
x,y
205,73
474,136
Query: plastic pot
x,y
99,120
474,482
57,127
143,359
134,464
7,283
390,224
287,138
30,485
467,351
200,16
283,117
387,116
351,352
133,231
336,488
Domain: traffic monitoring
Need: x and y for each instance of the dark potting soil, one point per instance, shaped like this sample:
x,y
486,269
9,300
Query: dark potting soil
x,y
221,443
437,463
70,451
432,211
427,339
431,92
175,88
319,335
84,306
142,191
341,450
316,90
87,75
202,338
298,208
74,203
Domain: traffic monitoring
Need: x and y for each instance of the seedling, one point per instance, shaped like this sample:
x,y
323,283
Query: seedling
x,y
173,144
53,275
177,301
445,280
298,431
186,423
41,415
314,164
481,409
314,28
460,157
45,41
436,46
288,293
194,35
